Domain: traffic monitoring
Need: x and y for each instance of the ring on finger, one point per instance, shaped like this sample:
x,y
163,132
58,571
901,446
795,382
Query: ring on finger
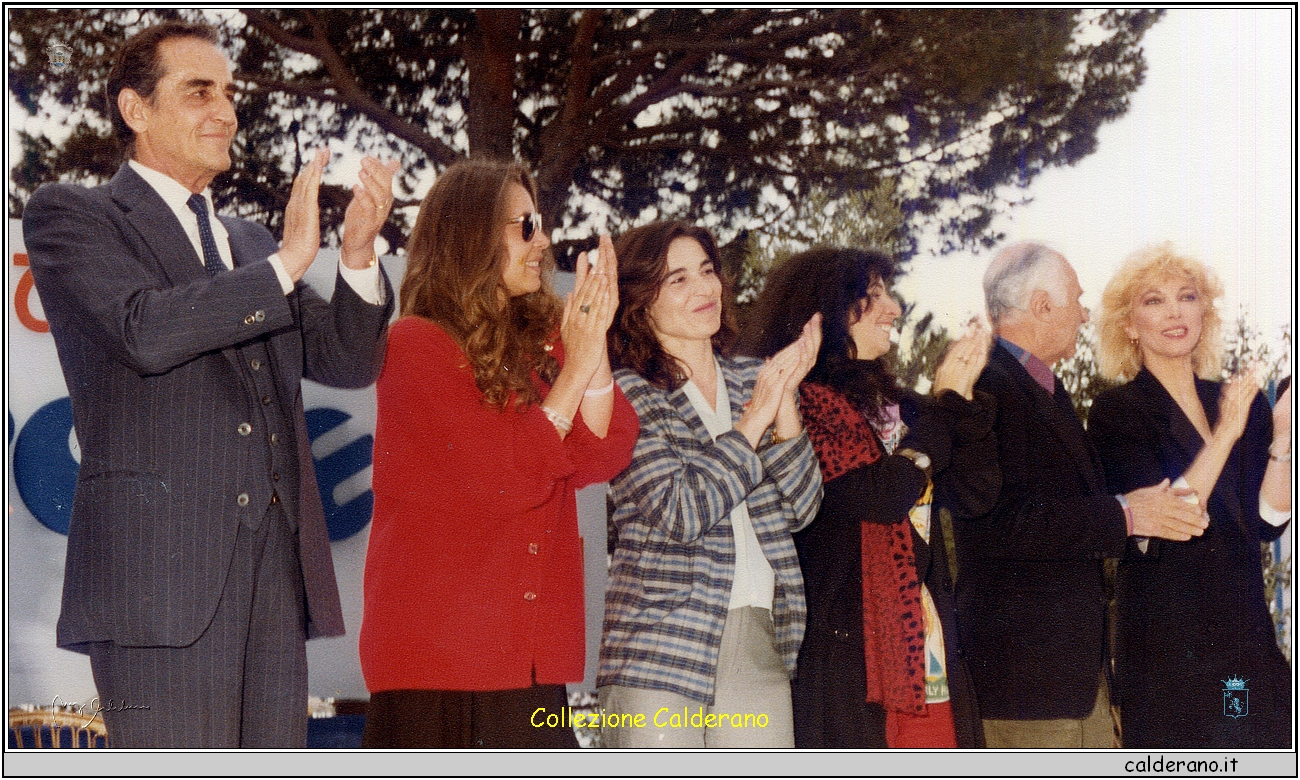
x,y
585,309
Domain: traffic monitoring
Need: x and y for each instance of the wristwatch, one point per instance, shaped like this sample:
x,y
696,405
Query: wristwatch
x,y
919,459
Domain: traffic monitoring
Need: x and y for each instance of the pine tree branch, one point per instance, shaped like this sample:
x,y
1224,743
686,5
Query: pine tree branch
x,y
346,89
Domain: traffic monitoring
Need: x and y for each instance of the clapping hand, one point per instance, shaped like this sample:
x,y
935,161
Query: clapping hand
x,y
806,347
589,311
1234,403
1282,423
372,200
600,263
1167,513
964,362
302,218
776,384
585,380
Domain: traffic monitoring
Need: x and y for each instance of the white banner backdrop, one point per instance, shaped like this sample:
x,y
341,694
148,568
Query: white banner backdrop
x,y
42,461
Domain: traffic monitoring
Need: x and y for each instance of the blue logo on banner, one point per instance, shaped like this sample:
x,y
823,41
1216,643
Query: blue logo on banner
x,y
340,465
1236,698
44,469
46,473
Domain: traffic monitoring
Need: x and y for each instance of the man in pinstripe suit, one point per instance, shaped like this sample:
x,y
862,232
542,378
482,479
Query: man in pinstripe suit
x,y
198,558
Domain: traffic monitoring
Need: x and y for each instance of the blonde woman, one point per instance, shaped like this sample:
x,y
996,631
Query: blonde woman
x,y
1194,626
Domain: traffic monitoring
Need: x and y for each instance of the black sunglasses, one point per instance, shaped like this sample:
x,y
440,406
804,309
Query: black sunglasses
x,y
530,224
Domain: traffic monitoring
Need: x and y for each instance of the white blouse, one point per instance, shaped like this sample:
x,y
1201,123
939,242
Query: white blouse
x,y
753,583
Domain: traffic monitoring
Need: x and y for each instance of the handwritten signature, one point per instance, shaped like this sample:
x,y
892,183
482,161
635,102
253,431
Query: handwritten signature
x,y
96,706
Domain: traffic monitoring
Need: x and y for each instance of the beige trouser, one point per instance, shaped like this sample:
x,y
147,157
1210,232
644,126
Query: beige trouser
x,y
1095,731
751,689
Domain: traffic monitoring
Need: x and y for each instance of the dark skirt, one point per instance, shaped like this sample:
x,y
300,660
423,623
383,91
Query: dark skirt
x,y
468,719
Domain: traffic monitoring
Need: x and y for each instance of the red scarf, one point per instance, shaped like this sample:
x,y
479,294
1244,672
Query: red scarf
x,y
893,629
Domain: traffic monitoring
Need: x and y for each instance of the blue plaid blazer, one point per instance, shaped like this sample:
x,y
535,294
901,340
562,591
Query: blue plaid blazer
x,y
670,580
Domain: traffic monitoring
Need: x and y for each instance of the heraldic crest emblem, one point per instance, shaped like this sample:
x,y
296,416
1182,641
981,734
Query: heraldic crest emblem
x,y
1236,698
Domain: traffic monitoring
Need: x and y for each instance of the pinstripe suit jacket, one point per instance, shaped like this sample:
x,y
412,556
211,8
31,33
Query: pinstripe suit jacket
x,y
147,344
670,582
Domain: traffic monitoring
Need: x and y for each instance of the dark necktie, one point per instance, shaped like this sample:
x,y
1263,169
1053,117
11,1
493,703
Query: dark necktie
x,y
211,257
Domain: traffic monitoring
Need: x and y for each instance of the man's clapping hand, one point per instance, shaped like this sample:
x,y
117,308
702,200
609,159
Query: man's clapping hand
x,y
1165,512
372,200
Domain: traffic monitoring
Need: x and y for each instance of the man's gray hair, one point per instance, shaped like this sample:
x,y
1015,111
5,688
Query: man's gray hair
x,y
1016,272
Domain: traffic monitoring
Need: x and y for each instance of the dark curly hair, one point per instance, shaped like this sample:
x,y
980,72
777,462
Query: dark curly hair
x,y
642,265
833,281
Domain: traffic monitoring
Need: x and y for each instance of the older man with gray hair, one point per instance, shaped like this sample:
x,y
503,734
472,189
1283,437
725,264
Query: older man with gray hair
x,y
1031,588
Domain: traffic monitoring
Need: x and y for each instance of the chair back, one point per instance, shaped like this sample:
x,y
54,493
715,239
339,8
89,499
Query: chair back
x,y
46,727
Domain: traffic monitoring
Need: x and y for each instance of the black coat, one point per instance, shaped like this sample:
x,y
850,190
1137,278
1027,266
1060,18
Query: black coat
x,y
1192,614
1031,594
829,692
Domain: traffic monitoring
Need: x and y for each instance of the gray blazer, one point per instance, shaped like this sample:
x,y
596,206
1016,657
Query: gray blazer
x,y
147,342
670,580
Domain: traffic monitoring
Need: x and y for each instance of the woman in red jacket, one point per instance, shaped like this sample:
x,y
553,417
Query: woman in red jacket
x,y
496,403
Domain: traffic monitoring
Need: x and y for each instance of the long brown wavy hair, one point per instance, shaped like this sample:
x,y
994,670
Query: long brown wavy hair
x,y
454,262
642,265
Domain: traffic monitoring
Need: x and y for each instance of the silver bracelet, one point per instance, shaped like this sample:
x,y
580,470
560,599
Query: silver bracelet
x,y
561,423
606,390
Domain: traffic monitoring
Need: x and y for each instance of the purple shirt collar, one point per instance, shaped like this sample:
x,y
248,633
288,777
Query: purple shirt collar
x,y
1040,371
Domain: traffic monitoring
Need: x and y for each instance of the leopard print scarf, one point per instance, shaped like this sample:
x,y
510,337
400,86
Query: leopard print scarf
x,y
892,625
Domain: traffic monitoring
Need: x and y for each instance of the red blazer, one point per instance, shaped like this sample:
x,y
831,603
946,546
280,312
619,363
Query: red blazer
x,y
473,573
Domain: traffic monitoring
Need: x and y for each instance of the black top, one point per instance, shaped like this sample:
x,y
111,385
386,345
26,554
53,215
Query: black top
x,y
1193,614
830,708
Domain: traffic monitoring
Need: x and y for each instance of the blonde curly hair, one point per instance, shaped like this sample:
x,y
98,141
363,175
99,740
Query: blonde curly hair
x,y
1119,357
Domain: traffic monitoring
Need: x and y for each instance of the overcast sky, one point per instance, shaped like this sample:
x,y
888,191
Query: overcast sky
x,y
1203,158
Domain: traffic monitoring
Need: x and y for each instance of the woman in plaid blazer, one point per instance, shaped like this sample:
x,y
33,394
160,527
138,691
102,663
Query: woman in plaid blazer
x,y
705,609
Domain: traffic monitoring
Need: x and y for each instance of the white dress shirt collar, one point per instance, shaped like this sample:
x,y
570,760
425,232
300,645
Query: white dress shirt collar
x,y
365,281
176,196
